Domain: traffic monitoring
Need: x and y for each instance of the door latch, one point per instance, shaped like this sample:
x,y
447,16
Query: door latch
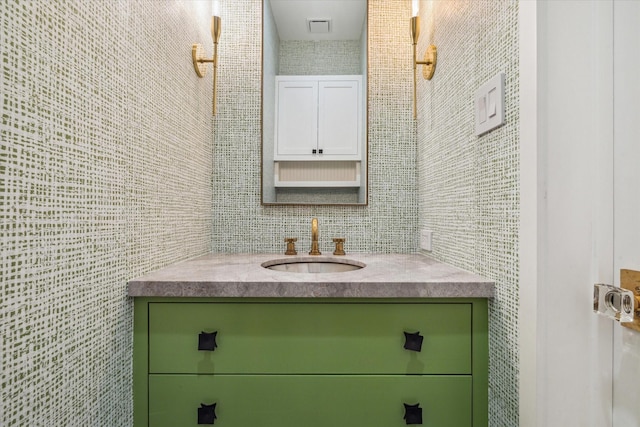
x,y
620,304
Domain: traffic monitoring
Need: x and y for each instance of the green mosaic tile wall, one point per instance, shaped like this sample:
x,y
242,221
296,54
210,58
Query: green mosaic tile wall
x,y
105,174
389,223
469,185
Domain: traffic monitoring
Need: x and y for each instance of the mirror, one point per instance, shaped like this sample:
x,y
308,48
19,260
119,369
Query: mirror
x,y
314,102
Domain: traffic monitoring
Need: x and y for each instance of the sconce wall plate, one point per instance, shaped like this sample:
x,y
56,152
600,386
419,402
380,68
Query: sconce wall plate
x,y
429,62
630,280
197,55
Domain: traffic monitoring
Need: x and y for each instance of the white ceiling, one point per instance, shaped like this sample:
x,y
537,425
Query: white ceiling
x,y
346,16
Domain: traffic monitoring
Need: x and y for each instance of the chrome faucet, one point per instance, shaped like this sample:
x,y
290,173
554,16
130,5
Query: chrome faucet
x,y
314,237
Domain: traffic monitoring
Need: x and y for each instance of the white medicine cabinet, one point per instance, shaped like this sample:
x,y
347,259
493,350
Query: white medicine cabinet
x,y
318,118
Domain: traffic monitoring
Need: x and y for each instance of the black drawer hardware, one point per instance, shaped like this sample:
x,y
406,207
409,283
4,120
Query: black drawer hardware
x,y
413,414
313,151
320,151
207,341
413,341
207,414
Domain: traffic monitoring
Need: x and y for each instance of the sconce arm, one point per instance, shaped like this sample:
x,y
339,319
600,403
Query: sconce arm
x,y
429,61
203,60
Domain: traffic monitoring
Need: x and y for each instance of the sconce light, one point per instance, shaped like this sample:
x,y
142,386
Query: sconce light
x,y
197,51
430,56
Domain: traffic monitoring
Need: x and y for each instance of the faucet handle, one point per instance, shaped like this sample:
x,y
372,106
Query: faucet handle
x,y
291,245
339,246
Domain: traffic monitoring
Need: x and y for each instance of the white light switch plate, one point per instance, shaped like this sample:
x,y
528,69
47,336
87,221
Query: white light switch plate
x,y
425,239
489,105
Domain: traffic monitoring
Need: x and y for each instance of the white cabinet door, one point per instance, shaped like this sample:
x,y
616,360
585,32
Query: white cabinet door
x,y
296,118
339,118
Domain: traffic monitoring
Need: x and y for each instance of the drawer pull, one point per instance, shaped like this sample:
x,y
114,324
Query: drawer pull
x,y
207,414
413,341
207,341
413,414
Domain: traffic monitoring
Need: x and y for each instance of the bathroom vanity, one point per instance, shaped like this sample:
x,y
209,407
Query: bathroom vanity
x,y
222,340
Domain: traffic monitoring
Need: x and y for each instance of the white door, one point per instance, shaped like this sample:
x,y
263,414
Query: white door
x,y
572,372
626,41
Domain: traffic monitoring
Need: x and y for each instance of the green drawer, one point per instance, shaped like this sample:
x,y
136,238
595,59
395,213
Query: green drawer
x,y
300,338
309,400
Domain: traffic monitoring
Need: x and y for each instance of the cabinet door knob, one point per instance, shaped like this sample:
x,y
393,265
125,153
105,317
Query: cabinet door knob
x,y
207,414
313,151
413,341
412,414
320,151
207,341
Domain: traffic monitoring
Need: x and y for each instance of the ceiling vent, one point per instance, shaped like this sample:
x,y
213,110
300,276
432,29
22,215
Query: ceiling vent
x,y
319,26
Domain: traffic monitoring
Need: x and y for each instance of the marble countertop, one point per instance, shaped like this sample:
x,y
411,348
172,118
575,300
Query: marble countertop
x,y
242,275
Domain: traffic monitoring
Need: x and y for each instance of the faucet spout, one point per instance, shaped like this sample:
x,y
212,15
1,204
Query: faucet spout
x,y
315,250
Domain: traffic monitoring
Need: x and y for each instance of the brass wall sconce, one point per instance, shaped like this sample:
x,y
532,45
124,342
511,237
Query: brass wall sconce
x,y
430,56
199,60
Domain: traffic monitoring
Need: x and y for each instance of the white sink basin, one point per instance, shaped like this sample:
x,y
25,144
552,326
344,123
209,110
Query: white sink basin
x,y
313,265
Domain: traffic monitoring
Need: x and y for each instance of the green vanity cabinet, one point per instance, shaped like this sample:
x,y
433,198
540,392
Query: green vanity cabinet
x,y
310,362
